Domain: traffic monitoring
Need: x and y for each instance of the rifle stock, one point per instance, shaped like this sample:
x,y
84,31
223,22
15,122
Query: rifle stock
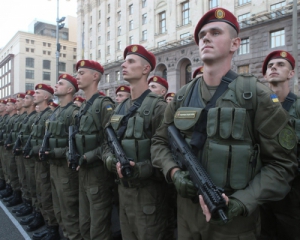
x,y
73,154
45,146
117,150
18,144
182,154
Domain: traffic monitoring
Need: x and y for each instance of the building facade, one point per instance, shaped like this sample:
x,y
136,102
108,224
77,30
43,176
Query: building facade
x,y
30,58
106,27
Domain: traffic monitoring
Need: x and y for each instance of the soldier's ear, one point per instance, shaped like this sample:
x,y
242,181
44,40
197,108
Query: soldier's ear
x,y
291,74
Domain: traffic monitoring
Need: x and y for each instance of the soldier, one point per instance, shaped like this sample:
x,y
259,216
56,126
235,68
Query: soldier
x,y
280,219
158,85
64,181
53,105
169,97
122,93
4,115
236,128
43,202
198,72
16,163
144,211
10,108
25,166
78,101
95,183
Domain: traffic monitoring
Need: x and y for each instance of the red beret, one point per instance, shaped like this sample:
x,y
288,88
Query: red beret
x,y
159,80
197,71
278,54
170,94
44,87
89,64
102,93
4,101
79,99
123,88
30,92
53,104
142,52
70,79
216,15
21,95
12,100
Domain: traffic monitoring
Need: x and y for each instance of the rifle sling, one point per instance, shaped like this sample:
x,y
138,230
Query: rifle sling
x,y
289,101
87,106
199,134
131,111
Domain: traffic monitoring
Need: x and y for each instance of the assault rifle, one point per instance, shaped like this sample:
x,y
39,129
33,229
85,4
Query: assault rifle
x,y
73,154
18,144
8,141
117,150
45,145
182,154
27,147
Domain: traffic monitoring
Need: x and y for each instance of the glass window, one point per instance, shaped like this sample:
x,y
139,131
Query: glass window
x,y
99,14
276,6
99,54
62,66
119,45
277,38
108,50
242,2
46,64
108,8
108,35
119,31
107,78
213,4
244,47
46,76
108,21
99,40
99,27
29,74
144,18
130,9
118,76
161,43
131,25
144,3
185,13
130,40
144,35
119,16
162,22
30,62
44,44
29,86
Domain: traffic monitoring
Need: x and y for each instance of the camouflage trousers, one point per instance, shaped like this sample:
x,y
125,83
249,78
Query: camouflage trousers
x,y
29,189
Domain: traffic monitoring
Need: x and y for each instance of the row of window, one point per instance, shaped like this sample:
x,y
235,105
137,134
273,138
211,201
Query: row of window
x,y
4,92
5,68
29,74
5,80
46,64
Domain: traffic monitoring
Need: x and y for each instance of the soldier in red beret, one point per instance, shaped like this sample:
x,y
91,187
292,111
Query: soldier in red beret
x,y
78,100
169,97
3,117
95,183
143,195
122,93
53,105
198,72
203,109
280,219
158,85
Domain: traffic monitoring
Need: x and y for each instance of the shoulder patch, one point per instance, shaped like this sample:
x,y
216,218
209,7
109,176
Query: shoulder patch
x,y
274,97
109,107
287,138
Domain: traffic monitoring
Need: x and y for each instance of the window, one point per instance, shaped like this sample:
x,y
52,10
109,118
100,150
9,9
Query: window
x,y
119,3
276,6
29,74
74,57
64,36
119,15
64,48
108,8
119,45
277,38
131,9
108,21
27,40
108,50
107,78
91,30
32,41
44,44
74,49
213,4
44,52
91,44
130,40
185,13
29,86
30,62
244,48
144,35
242,2
144,3
162,22
131,25
99,40
91,56
161,43
144,18
46,64
243,69
99,14
27,49
243,16
108,35
53,33
91,19
49,53
99,54
119,31
32,50
49,44
62,66
46,76
64,55
118,76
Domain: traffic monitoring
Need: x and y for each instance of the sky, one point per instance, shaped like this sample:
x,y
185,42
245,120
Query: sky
x,y
17,15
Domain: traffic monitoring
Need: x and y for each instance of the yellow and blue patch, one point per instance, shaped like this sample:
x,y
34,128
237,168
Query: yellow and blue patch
x,y
108,108
274,97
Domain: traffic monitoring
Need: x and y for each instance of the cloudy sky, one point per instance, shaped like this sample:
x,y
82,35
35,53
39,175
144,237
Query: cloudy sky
x,y
17,15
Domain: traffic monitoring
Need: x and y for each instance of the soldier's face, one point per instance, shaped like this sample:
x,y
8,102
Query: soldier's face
x,y
2,107
134,67
121,96
39,96
19,103
61,87
169,99
216,43
10,107
278,70
85,77
157,88
28,101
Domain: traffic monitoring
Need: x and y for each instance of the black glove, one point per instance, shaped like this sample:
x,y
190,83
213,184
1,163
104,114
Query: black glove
x,y
183,184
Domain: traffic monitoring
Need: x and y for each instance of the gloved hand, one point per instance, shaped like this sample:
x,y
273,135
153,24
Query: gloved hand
x,y
183,184
110,163
235,208
82,161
